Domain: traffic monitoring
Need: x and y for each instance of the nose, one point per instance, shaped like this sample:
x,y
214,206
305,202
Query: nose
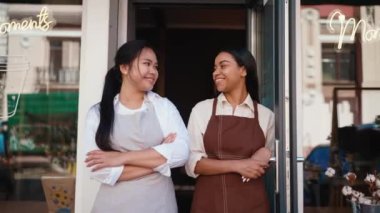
x,y
216,72
153,70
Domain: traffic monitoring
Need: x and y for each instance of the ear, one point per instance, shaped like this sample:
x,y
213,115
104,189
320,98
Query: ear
x,y
124,69
243,71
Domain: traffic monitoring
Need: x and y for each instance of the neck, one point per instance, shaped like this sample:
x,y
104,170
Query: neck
x,y
130,96
236,97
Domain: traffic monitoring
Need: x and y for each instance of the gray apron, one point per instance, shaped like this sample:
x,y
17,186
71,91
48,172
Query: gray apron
x,y
150,194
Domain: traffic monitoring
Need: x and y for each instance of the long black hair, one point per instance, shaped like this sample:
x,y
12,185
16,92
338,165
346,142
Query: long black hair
x,y
244,58
126,54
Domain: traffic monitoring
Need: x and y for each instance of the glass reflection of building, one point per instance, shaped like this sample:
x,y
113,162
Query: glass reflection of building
x,y
40,138
338,130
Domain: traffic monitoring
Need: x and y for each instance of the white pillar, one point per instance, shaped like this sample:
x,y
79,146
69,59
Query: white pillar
x,y
93,67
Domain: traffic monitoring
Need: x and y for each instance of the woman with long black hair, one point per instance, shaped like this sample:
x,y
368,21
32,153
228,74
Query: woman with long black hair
x,y
134,137
231,140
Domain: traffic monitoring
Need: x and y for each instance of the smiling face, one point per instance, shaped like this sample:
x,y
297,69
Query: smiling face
x,y
142,73
227,75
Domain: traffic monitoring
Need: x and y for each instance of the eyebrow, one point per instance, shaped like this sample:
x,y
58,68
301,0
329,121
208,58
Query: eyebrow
x,y
224,61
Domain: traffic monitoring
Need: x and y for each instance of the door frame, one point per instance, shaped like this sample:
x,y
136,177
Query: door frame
x,y
295,85
285,104
281,96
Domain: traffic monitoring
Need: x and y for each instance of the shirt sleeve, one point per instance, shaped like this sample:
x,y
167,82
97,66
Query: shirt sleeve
x,y
197,150
108,175
176,152
270,133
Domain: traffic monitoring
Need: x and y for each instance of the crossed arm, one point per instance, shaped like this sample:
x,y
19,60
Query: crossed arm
x,y
199,164
136,163
250,168
109,167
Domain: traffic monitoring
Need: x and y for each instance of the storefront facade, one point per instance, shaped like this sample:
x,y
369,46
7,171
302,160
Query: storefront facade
x,y
318,79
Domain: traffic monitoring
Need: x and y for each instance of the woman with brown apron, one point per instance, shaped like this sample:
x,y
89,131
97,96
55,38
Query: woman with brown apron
x,y
231,140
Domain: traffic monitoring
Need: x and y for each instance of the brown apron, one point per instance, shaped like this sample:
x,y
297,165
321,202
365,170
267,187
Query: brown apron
x,y
230,137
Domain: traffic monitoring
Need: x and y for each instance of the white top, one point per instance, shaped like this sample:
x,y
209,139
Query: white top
x,y
170,121
201,114
137,130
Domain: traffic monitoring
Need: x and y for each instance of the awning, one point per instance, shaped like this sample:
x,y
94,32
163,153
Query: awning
x,y
41,106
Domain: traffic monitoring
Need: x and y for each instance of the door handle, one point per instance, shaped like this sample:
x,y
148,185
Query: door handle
x,y
274,159
277,167
299,159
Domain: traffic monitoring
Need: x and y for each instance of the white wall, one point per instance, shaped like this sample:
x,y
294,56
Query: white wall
x,y
93,66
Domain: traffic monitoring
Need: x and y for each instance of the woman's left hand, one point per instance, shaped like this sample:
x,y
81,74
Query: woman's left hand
x,y
98,159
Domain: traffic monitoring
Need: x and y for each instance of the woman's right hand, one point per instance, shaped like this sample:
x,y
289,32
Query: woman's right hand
x,y
98,159
251,168
170,138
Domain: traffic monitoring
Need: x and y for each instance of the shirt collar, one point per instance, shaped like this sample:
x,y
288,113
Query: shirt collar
x,y
148,97
247,101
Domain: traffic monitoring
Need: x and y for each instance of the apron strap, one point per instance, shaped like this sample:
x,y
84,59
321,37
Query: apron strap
x,y
256,110
214,106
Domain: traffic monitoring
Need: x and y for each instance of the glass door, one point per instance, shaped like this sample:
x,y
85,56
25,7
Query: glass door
x,y
273,41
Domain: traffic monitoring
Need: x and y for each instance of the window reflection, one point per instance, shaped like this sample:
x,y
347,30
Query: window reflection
x,y
38,131
341,93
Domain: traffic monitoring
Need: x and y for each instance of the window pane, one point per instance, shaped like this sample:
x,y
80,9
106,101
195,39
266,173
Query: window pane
x,y
328,67
338,65
347,65
341,134
39,82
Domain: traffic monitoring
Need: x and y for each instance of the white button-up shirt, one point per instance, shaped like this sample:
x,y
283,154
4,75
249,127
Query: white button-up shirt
x,y
176,153
201,114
